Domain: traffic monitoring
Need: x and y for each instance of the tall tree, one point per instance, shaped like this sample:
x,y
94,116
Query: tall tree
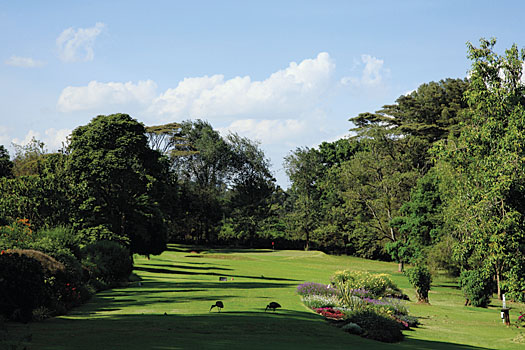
x,y
487,166
420,221
118,181
428,114
6,166
252,185
377,181
203,168
28,157
304,168
166,139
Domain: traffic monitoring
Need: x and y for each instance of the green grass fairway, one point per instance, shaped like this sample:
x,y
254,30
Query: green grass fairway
x,y
184,284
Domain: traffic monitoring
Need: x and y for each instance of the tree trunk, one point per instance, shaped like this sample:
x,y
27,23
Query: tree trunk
x,y
500,297
401,266
122,224
307,246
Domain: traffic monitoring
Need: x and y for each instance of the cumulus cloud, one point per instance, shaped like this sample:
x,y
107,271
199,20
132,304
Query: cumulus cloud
x,y
298,86
372,74
267,131
98,95
295,89
23,62
52,138
77,45
28,137
277,108
55,139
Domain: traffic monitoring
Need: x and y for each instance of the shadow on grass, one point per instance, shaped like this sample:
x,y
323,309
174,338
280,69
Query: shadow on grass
x,y
154,292
207,268
183,272
284,329
451,286
184,248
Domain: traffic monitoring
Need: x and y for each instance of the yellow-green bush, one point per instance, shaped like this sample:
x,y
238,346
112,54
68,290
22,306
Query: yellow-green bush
x,y
376,285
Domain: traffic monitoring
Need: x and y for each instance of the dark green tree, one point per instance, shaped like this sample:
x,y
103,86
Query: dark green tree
x,y
252,185
420,221
304,168
6,165
42,198
376,182
118,183
28,157
486,167
203,167
165,138
426,115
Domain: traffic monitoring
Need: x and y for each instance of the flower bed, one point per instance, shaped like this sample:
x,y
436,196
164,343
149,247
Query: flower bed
x,y
367,309
330,313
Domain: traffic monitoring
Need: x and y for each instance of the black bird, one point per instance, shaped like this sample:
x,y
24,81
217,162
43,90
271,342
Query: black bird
x,y
218,304
273,305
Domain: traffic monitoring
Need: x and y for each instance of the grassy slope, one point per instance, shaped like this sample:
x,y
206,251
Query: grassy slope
x,y
184,285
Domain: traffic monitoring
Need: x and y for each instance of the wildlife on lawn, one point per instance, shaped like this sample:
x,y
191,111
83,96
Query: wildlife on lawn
x,y
272,306
218,304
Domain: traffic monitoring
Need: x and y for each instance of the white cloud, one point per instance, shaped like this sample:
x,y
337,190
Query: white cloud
x,y
98,95
53,139
372,74
295,88
23,62
29,136
291,91
267,131
77,45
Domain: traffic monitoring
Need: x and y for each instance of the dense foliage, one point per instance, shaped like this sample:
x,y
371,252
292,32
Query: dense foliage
x,y
421,279
361,303
22,286
435,179
477,287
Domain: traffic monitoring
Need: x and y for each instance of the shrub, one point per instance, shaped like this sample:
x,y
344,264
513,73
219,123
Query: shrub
x,y
412,321
107,261
476,286
317,301
421,279
22,286
49,265
57,239
514,282
17,235
311,288
330,312
387,306
520,322
352,328
440,257
377,285
377,327
61,285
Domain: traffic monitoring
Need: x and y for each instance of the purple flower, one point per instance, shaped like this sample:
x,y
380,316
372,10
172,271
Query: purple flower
x,y
374,301
311,288
360,292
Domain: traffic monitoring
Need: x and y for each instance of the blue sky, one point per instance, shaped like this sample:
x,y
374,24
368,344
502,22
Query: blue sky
x,y
286,73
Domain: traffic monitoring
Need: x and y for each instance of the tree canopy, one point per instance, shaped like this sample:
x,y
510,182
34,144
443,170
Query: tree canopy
x,y
117,182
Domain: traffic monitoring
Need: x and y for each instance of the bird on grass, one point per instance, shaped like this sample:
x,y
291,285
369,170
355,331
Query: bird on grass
x,y
272,306
218,304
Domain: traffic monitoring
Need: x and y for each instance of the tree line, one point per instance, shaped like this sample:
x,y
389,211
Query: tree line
x,y
434,179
